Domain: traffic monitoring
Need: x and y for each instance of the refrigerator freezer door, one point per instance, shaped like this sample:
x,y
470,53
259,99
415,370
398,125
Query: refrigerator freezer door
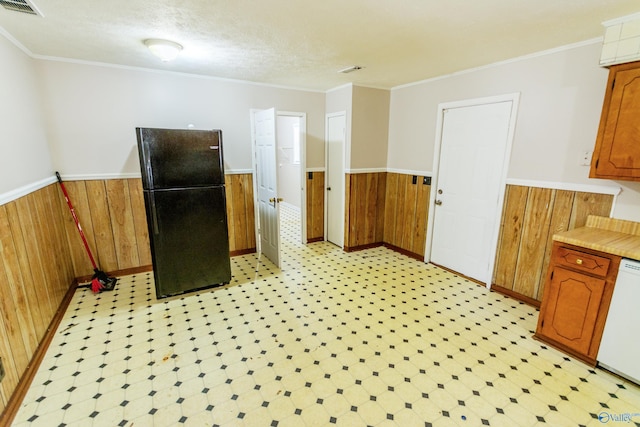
x,y
188,233
174,158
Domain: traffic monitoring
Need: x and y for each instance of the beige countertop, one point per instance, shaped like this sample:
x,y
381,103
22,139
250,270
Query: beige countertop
x,y
608,235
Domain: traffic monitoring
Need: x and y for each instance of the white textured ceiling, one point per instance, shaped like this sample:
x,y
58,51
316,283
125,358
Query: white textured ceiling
x,y
303,43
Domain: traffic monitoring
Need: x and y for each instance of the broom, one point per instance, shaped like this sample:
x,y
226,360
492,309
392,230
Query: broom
x,y
100,280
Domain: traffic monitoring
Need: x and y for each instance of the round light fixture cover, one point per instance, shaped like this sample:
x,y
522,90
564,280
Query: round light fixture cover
x,y
166,50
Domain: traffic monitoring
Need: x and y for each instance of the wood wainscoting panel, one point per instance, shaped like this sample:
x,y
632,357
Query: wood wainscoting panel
x,y
422,215
364,211
535,232
513,210
105,249
391,206
114,221
406,213
530,218
315,206
140,222
122,223
240,213
35,274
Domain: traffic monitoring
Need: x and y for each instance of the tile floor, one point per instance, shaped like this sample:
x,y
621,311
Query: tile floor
x,y
370,338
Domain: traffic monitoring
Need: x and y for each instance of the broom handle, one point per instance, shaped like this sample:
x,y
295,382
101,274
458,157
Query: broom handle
x,y
75,218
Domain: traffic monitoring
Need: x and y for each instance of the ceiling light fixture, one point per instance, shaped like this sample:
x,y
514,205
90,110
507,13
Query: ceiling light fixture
x,y
164,49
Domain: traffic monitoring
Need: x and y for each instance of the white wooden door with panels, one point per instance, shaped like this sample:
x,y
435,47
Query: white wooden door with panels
x,y
267,184
475,143
335,142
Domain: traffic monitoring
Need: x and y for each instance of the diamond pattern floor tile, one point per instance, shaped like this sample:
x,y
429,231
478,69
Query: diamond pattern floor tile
x,y
332,338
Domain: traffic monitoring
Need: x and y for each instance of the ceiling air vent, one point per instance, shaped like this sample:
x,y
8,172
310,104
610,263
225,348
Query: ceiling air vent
x,y
351,69
24,6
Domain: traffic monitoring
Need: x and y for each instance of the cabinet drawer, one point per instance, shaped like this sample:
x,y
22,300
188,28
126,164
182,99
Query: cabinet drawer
x,y
593,264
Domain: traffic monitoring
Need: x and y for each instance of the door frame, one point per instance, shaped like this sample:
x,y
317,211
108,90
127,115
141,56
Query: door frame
x,y
514,98
254,171
303,168
326,174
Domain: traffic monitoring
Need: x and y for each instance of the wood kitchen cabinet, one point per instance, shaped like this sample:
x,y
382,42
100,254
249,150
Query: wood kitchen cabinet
x,y
617,151
576,300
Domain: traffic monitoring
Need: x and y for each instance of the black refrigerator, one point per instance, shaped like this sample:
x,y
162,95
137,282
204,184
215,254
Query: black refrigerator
x,y
184,195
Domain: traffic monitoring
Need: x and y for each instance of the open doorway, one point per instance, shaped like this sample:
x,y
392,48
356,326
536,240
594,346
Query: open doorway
x,y
290,142
290,158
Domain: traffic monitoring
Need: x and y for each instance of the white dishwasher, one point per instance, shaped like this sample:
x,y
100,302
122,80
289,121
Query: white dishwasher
x,y
620,346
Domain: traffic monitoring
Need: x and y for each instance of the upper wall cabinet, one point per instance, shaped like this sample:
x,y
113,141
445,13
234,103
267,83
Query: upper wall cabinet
x,y
617,151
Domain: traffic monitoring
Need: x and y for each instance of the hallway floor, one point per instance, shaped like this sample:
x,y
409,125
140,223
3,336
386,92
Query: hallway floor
x,y
351,339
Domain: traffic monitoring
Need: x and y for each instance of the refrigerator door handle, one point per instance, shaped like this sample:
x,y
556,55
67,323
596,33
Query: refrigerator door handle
x,y
154,216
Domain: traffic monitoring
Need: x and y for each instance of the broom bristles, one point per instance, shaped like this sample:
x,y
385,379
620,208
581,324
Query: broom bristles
x,y
102,282
96,286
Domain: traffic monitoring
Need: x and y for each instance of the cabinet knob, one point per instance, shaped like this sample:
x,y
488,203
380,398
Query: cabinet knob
x,y
579,261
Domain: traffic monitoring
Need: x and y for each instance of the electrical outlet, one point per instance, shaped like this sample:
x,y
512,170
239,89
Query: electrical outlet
x,y
1,369
585,158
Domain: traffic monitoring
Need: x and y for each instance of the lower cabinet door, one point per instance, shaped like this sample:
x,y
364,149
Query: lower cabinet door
x,y
572,309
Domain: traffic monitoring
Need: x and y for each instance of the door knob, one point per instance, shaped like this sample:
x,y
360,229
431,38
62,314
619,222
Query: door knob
x,y
280,199
328,188
438,202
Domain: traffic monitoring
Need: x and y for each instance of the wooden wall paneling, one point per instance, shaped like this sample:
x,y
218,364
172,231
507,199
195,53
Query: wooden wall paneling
x,y
560,216
239,209
347,205
370,208
238,212
41,321
78,194
422,214
228,183
122,225
140,221
510,235
40,234
105,252
59,251
390,209
29,228
400,211
13,302
56,281
63,254
359,194
249,207
310,192
12,374
352,211
315,205
586,204
408,222
380,206
535,230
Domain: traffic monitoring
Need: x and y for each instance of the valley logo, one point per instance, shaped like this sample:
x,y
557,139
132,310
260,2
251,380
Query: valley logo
x,y
605,417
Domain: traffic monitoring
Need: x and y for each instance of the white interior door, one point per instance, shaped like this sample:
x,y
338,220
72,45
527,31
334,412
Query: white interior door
x,y
267,184
474,148
336,125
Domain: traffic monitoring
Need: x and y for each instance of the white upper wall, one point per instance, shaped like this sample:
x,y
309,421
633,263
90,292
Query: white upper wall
x,y
561,96
93,111
560,104
369,128
25,157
